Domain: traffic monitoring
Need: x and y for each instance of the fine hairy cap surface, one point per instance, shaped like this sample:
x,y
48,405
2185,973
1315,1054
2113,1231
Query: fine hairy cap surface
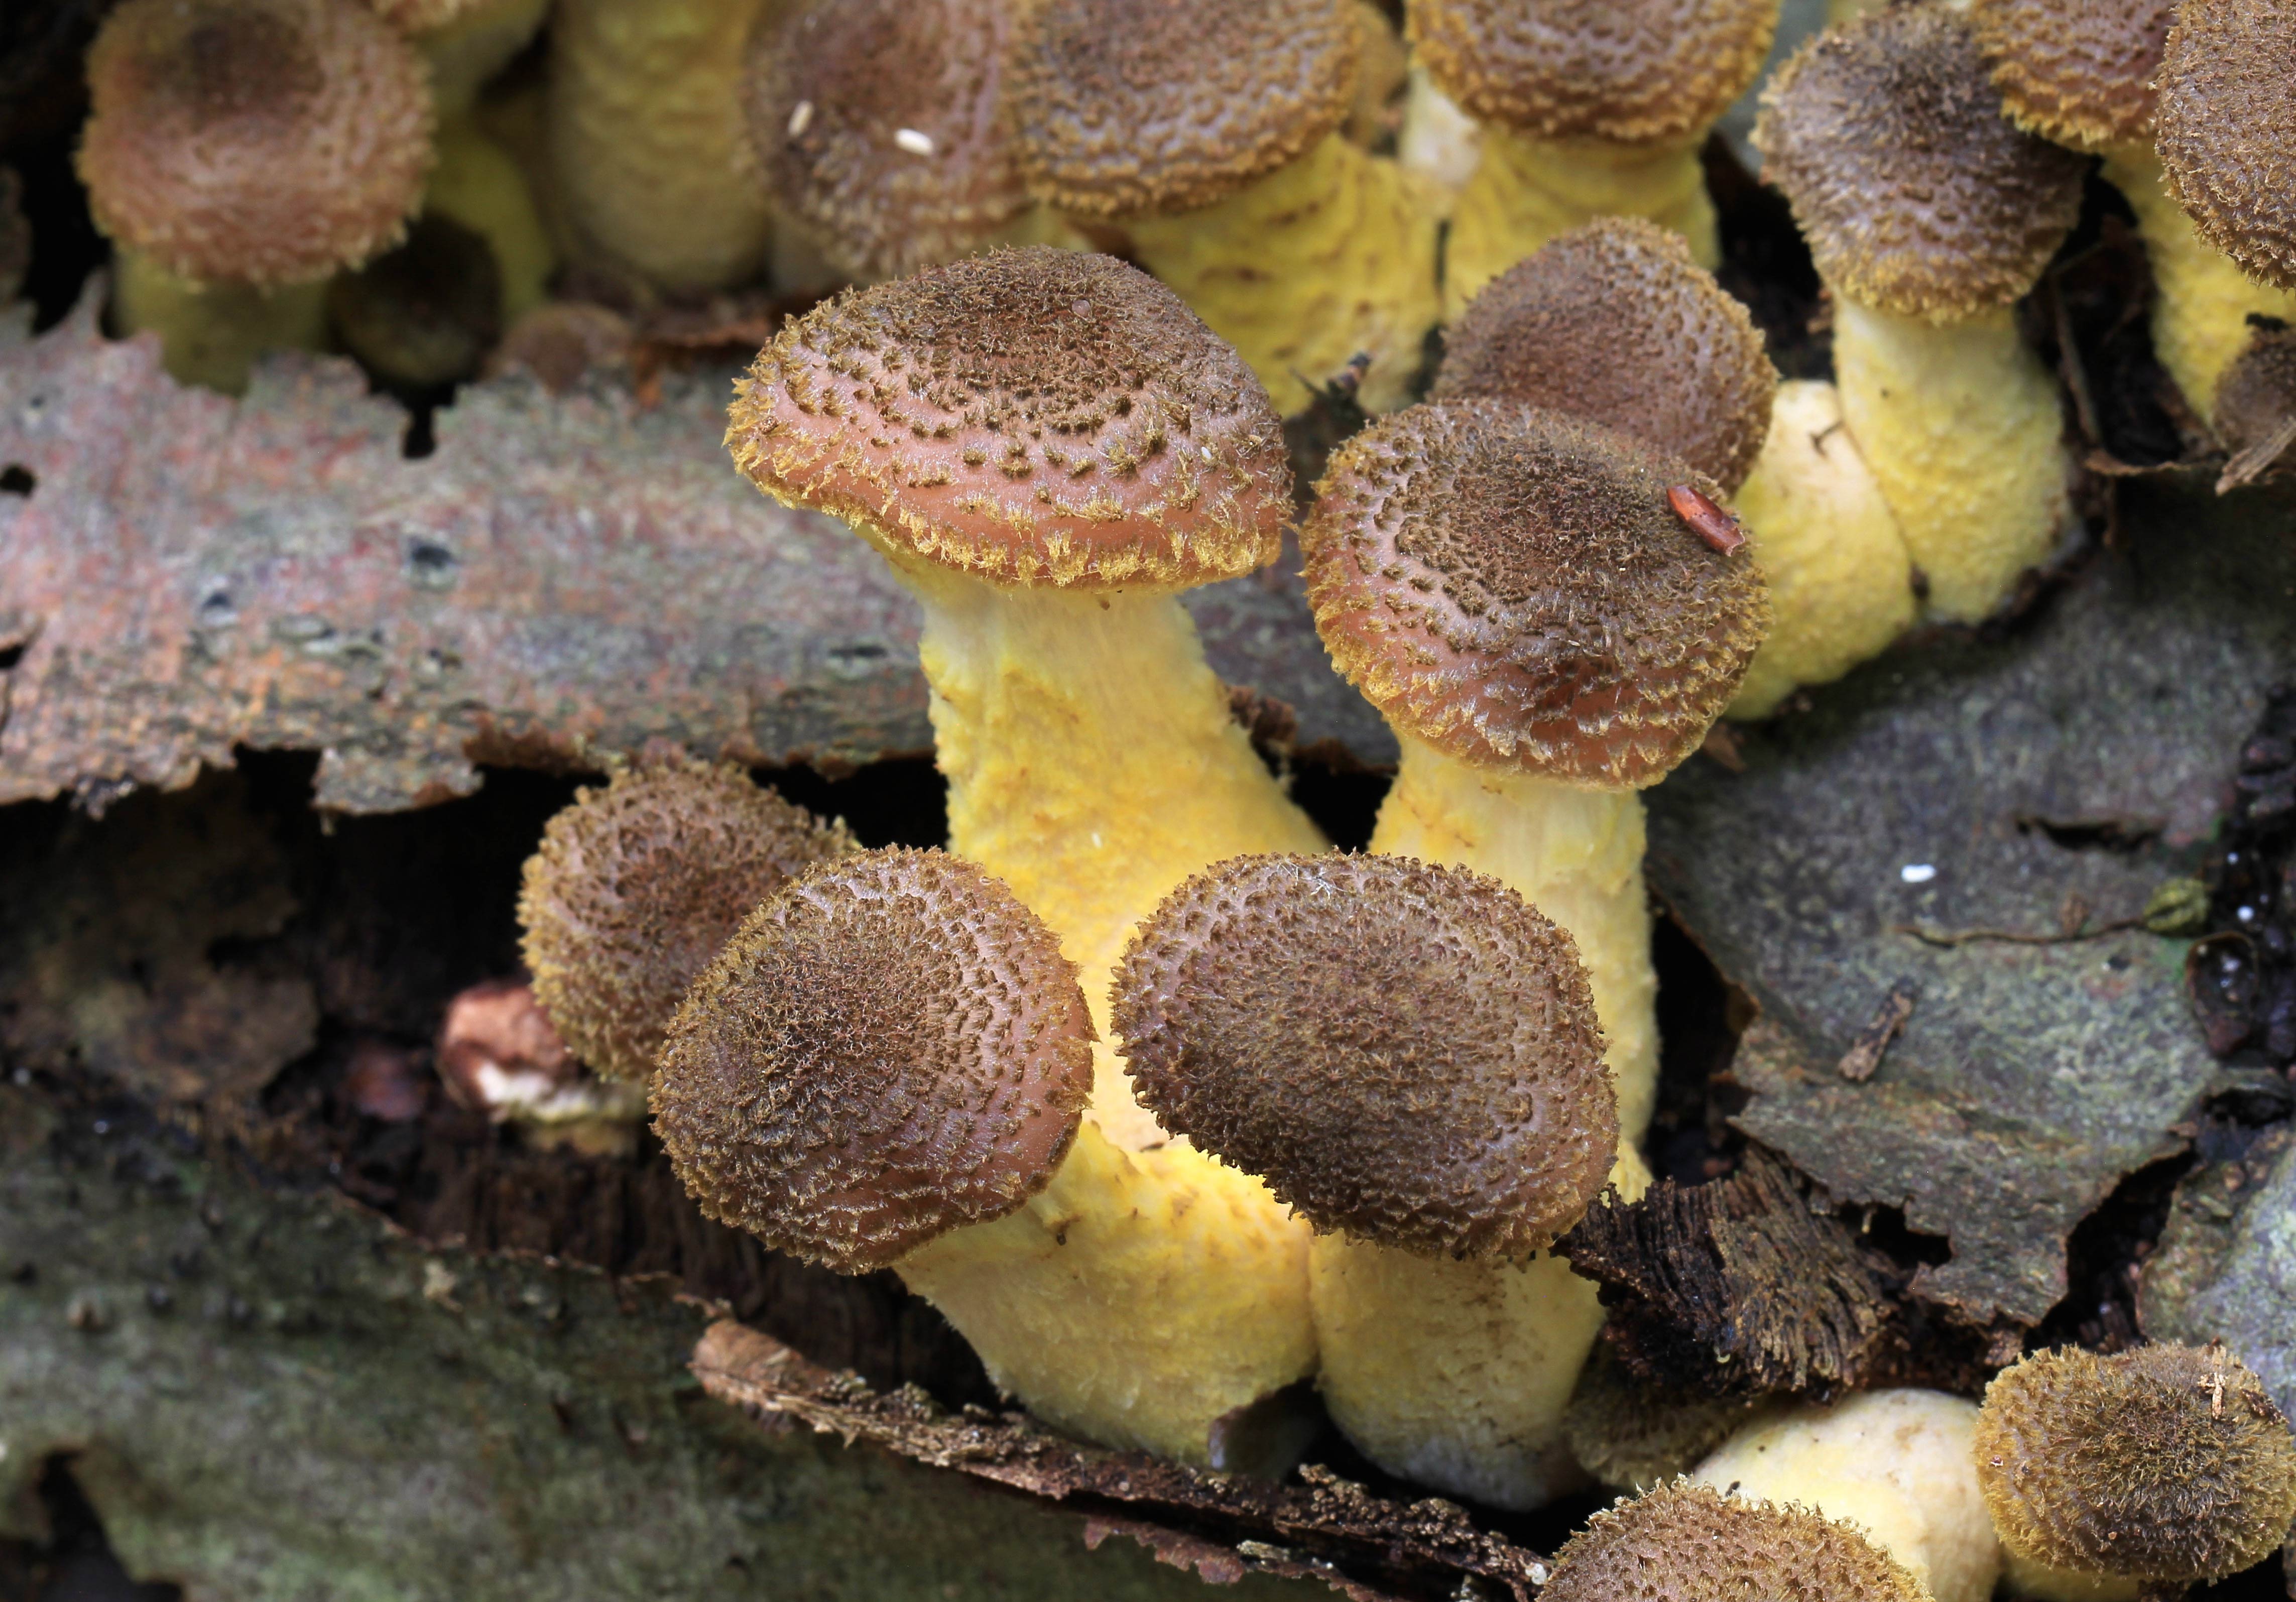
x,y
876,122
2076,71
892,1048
2226,129
1690,1543
1404,1052
637,885
1636,72
2164,1463
1615,324
1122,109
1512,587
259,141
1034,416
2256,403
1916,194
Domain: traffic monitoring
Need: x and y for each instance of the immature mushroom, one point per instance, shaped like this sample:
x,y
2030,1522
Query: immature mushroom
x,y
1547,634
634,889
2081,72
1687,1544
1896,1464
1590,107
1210,135
886,1067
2160,1464
240,151
1928,213
1408,1055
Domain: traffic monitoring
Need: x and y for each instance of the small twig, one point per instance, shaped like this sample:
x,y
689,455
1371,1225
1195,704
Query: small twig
x,y
1858,1063
2257,460
1951,937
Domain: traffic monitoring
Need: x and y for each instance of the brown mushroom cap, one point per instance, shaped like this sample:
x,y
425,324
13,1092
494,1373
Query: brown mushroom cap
x,y
2076,71
876,122
1635,71
1033,417
892,1048
1122,109
2256,405
261,141
1614,323
2227,130
636,886
1514,588
1404,1052
2163,1463
1916,194
1690,1543
1628,1433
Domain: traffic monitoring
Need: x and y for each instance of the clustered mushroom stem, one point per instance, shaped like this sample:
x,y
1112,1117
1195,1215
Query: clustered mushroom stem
x,y
210,333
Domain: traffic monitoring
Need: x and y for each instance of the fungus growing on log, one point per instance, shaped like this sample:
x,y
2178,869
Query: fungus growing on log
x,y
1683,1542
1633,1435
2226,128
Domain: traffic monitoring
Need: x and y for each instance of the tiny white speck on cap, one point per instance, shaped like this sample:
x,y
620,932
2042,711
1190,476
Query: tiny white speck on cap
x,y
915,143
800,117
1917,873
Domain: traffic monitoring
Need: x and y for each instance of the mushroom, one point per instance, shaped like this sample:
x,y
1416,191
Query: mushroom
x,y
2080,72
1515,590
1048,447
240,151
1688,1543
465,41
2163,1465
1210,136
1928,213
1615,324
636,886
1588,108
1408,1055
1896,1464
886,1067
2256,408
649,150
2226,136
498,1054
1634,1435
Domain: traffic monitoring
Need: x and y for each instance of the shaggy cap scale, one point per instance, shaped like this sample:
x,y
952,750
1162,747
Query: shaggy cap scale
x,y
1404,1052
636,888
876,122
2226,129
2076,71
1033,416
1635,71
1691,1543
1614,323
2163,1463
1123,108
890,1049
1916,194
1514,588
259,141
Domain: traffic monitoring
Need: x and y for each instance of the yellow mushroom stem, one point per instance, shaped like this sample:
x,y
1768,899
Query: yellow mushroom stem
x,y
1456,1372
1526,192
2203,299
479,184
1841,584
1092,765
478,43
210,333
1959,423
1330,257
1575,853
1141,1299
1900,1465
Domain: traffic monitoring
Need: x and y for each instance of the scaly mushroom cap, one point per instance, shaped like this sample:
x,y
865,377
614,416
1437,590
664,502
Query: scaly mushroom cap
x,y
1917,195
2227,130
636,886
876,122
1690,1543
261,140
1614,323
2162,1463
2076,71
1122,109
1033,417
2255,400
1404,1052
1512,587
1634,71
892,1048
